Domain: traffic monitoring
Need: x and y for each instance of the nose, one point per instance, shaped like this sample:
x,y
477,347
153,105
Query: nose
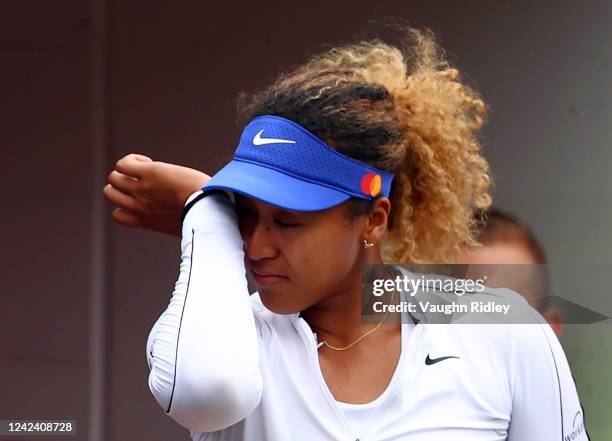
x,y
258,243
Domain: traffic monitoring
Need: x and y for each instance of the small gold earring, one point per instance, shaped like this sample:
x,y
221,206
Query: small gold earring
x,y
367,244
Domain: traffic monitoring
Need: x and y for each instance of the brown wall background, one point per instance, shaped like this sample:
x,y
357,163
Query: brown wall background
x,y
84,82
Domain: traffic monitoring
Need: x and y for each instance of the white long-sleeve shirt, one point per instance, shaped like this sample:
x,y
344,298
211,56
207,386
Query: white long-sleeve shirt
x,y
228,369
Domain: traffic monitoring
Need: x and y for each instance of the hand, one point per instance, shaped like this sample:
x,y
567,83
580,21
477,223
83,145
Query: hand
x,y
151,194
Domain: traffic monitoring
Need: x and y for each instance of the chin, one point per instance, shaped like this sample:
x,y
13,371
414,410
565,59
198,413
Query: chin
x,y
277,302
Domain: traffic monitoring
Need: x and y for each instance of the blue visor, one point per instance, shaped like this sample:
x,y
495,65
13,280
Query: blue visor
x,y
280,163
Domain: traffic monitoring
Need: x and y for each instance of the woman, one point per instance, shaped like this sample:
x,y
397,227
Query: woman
x,y
363,155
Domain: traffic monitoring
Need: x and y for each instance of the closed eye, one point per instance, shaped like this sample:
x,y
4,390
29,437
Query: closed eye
x,y
286,224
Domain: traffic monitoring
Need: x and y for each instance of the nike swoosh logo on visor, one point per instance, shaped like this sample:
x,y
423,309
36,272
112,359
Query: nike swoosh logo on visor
x,y
258,140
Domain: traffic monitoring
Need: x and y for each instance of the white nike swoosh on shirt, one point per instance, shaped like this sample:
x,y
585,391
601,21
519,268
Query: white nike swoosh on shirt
x,y
258,140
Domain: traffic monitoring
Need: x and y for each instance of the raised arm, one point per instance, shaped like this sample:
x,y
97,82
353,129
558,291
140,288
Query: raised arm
x,y
203,350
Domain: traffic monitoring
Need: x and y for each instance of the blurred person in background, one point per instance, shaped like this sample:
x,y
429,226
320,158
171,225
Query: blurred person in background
x,y
506,240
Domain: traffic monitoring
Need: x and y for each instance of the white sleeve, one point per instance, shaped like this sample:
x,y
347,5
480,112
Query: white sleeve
x,y
545,405
203,350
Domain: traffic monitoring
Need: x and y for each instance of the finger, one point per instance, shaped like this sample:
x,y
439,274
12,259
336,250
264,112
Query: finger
x,y
123,183
130,166
127,218
119,198
141,158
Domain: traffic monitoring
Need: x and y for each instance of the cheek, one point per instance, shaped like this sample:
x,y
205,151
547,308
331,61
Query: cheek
x,y
326,259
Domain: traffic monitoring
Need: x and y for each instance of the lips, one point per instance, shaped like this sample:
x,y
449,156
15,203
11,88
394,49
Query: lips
x,y
264,273
265,277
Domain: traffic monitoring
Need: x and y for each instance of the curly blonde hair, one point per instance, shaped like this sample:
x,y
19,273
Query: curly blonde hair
x,y
404,111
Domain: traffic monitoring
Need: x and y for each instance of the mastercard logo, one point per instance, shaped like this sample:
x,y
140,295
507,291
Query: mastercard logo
x,y
371,184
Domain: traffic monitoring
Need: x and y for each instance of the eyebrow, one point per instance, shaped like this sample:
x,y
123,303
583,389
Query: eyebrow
x,y
289,213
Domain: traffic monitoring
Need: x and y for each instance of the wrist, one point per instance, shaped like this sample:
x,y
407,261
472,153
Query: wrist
x,y
195,182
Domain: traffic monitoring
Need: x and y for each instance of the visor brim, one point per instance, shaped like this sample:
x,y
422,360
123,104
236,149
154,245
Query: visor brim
x,y
275,188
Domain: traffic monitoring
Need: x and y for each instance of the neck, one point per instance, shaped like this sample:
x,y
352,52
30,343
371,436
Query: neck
x,y
337,319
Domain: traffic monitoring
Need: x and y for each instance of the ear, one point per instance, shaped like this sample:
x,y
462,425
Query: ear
x,y
376,223
554,318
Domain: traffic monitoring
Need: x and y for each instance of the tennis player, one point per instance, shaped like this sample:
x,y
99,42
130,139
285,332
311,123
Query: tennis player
x,y
365,154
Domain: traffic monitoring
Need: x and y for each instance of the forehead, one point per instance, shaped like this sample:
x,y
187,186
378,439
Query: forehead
x,y
247,203
243,201
504,252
